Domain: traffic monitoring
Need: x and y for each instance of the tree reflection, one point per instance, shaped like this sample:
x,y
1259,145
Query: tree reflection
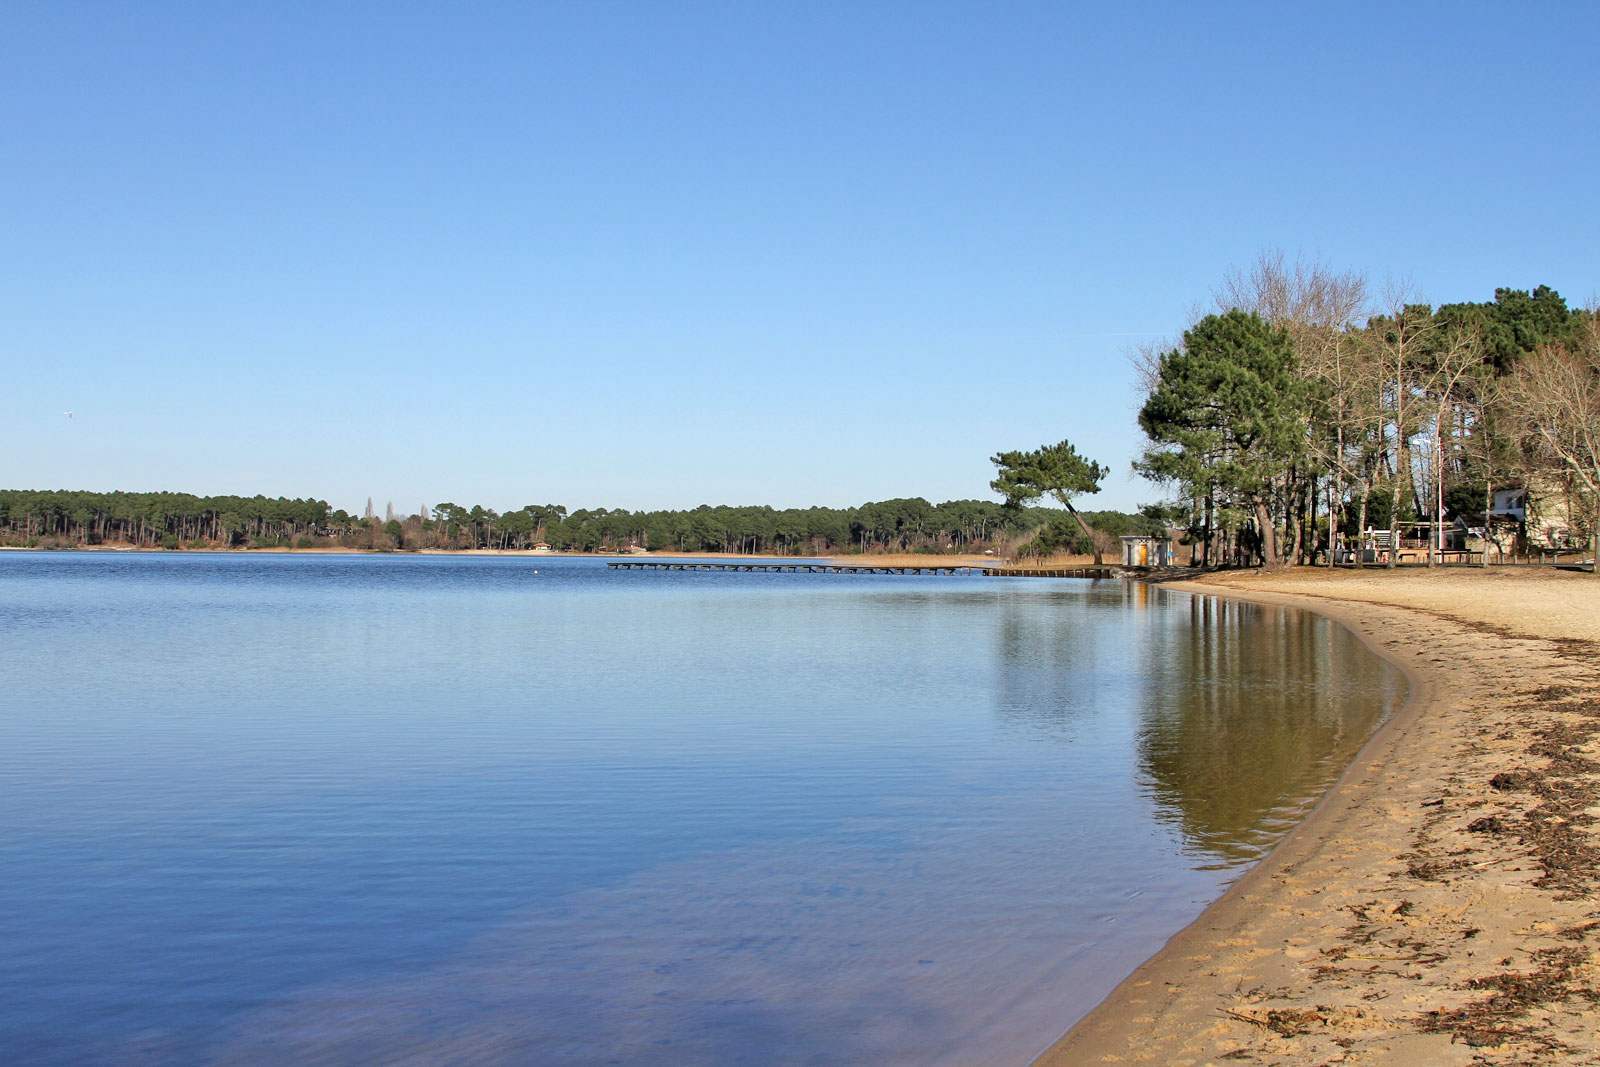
x,y
1239,715
1249,714
1057,656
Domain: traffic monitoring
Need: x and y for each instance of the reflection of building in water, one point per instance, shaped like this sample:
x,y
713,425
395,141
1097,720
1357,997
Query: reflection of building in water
x,y
1249,716
1136,595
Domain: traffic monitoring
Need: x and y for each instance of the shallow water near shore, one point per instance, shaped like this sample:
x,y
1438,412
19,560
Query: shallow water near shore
x,y
388,809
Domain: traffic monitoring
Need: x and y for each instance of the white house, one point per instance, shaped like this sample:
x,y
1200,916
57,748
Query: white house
x,y
1545,512
1511,500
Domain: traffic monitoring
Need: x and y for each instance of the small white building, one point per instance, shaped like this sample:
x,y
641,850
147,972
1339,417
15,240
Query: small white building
x,y
1139,550
1511,500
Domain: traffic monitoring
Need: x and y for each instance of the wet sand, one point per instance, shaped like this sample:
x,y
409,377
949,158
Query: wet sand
x,y
1440,905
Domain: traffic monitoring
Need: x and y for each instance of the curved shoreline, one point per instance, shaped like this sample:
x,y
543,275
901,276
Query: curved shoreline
x,y
1094,1037
1272,971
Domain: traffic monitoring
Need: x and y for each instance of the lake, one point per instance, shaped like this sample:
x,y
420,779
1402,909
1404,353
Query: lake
x,y
324,809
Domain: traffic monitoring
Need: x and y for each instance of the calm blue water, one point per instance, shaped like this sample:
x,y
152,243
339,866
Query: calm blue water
x,y
386,809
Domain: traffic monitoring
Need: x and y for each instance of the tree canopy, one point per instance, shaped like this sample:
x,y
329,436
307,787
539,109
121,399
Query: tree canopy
x,y
1305,419
1229,411
1054,470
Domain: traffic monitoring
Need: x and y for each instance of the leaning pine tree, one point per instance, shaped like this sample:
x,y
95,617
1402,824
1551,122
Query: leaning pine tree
x,y
1228,409
1056,470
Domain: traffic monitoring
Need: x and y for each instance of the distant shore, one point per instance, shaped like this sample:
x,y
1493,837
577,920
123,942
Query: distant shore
x,y
884,559
1441,900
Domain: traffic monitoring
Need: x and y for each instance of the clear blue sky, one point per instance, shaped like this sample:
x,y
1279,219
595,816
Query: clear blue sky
x,y
657,255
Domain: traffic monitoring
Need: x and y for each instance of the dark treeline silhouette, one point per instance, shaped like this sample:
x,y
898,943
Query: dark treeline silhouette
x,y
31,517
182,520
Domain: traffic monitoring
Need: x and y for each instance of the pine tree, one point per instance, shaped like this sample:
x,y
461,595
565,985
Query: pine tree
x,y
1056,470
1228,410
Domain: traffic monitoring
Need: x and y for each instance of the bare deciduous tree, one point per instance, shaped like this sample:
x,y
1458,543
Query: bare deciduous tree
x,y
1440,384
1399,336
1306,297
1318,306
1555,396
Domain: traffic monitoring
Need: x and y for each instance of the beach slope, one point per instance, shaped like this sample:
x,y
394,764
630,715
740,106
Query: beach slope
x,y
1440,905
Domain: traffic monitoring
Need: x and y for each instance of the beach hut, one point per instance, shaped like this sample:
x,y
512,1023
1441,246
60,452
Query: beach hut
x,y
1139,550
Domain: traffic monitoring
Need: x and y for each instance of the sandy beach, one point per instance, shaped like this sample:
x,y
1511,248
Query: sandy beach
x,y
1439,906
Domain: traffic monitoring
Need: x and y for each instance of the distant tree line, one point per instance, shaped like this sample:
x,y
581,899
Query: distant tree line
x,y
65,517
178,520
1303,412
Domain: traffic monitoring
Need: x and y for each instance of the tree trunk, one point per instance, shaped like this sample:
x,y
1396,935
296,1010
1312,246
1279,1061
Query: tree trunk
x,y
1269,537
1416,487
1438,503
1333,510
1594,562
1361,530
1394,525
1300,527
1488,502
1094,544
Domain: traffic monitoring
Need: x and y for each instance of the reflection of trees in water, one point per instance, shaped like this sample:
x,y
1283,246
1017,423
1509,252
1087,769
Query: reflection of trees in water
x,y
1252,713
1053,659
1241,714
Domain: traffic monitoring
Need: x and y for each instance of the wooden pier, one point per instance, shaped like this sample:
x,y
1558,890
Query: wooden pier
x,y
867,568
1061,572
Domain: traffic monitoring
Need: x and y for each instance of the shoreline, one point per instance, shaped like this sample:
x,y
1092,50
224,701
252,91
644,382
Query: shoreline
x,y
930,559
1418,913
321,550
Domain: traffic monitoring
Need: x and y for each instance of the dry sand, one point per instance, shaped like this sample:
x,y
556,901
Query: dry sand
x,y
1440,906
